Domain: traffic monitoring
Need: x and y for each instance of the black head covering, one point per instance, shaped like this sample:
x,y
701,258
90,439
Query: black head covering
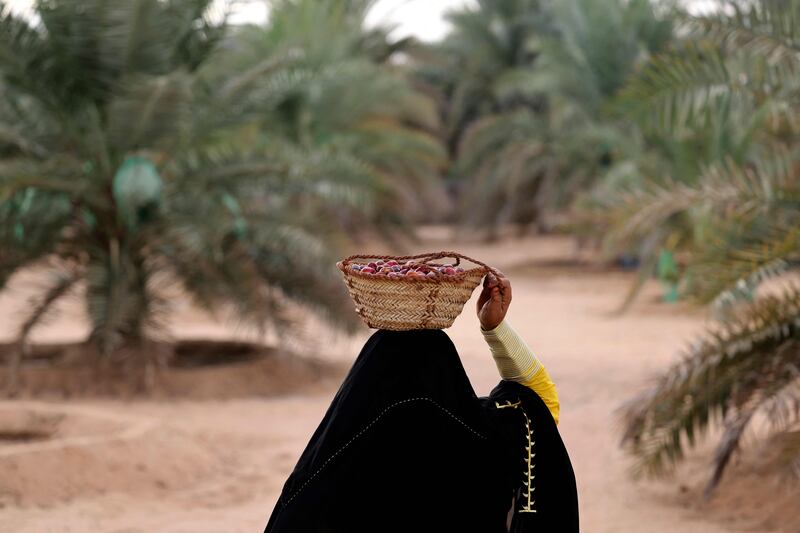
x,y
406,445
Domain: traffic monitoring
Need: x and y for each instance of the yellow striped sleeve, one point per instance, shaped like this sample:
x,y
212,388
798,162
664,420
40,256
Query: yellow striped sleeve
x,y
516,362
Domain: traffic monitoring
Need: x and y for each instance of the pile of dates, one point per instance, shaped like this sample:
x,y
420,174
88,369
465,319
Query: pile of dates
x,y
409,269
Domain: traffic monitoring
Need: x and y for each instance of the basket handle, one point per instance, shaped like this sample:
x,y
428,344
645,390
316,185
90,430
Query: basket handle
x,y
428,256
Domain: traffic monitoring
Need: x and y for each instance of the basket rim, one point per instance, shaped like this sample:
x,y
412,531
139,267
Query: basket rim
x,y
457,277
427,256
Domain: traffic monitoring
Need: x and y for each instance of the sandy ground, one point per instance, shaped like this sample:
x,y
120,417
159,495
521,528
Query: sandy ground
x,y
218,465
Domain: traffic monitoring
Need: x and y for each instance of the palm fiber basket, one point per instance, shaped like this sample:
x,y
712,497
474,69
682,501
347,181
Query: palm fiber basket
x,y
400,303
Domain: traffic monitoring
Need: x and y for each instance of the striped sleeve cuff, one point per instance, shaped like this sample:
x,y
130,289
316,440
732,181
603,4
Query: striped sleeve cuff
x,y
516,362
514,359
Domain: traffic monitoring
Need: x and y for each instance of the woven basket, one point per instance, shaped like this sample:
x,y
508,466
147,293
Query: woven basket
x,y
400,303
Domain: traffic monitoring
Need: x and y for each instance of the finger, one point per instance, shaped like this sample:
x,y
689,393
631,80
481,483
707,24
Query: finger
x,y
505,287
499,277
497,295
483,298
485,294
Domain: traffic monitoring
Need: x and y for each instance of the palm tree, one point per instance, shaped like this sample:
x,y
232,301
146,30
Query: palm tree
x,y
127,164
742,65
529,84
492,44
357,108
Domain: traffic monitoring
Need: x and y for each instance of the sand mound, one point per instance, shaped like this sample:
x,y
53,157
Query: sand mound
x,y
73,451
196,368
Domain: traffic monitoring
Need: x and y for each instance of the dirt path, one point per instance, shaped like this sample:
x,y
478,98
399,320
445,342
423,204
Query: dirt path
x,y
596,361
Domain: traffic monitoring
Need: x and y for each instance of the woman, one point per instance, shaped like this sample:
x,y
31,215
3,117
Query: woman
x,y
406,444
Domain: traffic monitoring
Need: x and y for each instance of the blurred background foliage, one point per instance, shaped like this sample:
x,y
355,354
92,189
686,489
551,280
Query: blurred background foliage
x,y
144,142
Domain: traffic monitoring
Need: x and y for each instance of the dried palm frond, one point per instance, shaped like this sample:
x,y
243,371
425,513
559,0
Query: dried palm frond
x,y
746,365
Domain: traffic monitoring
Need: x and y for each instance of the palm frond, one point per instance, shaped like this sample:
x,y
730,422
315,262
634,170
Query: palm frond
x,y
41,306
732,370
675,90
741,259
764,29
150,111
728,190
220,278
32,223
742,289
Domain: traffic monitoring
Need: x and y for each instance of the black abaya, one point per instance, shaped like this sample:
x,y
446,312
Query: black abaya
x,y
406,445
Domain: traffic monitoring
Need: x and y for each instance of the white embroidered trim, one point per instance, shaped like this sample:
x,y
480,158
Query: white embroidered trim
x,y
528,507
